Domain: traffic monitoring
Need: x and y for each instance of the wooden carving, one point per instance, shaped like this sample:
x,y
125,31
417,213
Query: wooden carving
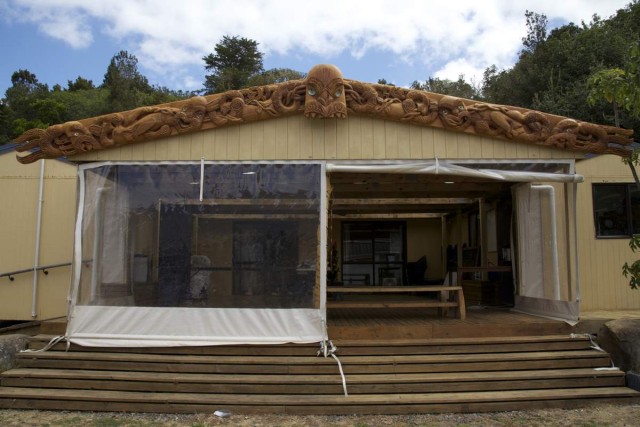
x,y
323,94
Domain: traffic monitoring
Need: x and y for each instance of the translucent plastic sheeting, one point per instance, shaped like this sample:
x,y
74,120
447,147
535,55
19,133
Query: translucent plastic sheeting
x,y
168,255
441,167
538,282
531,258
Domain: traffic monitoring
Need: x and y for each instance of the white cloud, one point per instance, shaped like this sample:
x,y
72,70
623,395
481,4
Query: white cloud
x,y
449,38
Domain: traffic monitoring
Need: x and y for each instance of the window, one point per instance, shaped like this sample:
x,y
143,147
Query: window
x,y
616,209
373,253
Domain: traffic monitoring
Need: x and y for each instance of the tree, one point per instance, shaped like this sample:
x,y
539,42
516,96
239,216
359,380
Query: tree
x,y
553,67
275,75
459,88
235,61
23,105
80,84
127,86
536,30
6,119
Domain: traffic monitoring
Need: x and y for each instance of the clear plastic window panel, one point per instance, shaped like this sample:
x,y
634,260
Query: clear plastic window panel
x,y
251,242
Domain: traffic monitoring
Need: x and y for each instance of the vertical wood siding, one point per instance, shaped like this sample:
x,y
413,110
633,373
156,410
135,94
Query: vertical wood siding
x,y
603,287
298,138
19,185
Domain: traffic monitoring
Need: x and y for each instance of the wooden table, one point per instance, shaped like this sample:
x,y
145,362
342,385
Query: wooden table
x,y
443,301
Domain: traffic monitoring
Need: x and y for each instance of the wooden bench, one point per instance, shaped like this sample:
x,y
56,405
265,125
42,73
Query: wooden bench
x,y
443,301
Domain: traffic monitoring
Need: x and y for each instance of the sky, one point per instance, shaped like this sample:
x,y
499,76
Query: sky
x,y
400,41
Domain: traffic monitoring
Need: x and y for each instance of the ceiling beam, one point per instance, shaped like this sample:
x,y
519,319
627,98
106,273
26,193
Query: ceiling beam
x,y
403,201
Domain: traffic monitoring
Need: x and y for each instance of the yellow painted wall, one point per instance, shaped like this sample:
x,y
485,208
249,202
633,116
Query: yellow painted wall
x,y
18,216
299,138
600,260
424,237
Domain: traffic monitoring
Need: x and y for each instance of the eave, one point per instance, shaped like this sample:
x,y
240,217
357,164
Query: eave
x,y
324,94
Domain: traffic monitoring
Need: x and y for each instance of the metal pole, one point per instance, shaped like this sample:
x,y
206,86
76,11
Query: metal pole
x,y
36,258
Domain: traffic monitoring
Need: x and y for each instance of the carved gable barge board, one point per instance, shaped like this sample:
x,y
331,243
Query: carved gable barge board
x,y
324,94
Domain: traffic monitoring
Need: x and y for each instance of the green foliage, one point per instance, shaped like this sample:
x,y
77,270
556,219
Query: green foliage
x,y
6,119
554,67
235,61
619,87
79,84
460,88
29,104
536,30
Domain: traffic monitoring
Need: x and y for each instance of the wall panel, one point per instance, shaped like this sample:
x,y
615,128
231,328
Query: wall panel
x,y
298,138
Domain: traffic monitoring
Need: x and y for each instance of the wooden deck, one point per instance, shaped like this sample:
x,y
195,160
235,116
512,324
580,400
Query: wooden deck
x,y
384,324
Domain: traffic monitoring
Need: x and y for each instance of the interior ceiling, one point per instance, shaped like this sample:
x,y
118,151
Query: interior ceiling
x,y
370,193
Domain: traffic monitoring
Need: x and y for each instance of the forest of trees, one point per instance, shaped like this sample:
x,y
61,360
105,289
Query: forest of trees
x,y
588,71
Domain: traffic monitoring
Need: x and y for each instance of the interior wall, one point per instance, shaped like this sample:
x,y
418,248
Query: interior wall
x,y
424,237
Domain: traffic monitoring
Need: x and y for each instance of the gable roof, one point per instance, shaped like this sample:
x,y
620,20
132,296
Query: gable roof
x,y
323,94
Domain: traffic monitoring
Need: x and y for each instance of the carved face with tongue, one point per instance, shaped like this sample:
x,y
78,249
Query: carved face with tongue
x,y
325,93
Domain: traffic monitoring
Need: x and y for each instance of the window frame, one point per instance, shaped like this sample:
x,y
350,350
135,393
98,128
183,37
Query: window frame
x,y
629,210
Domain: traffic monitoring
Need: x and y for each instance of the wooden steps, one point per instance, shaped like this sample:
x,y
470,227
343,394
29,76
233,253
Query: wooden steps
x,y
391,377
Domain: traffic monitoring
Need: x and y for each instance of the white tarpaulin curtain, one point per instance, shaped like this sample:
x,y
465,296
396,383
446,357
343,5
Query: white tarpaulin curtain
x,y
538,290
243,264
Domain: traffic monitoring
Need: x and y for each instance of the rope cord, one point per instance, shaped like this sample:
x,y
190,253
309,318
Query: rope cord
x,y
54,341
328,349
595,346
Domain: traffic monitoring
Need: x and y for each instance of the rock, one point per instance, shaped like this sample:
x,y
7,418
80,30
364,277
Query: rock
x,y
10,345
621,338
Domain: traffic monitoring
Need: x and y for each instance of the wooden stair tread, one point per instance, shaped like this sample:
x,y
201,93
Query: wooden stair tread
x,y
309,379
292,400
311,360
396,342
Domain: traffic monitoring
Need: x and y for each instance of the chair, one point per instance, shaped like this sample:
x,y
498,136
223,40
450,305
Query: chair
x,y
200,278
416,271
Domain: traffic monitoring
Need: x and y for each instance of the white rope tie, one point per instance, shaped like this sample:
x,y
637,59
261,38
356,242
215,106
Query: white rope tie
x,y
328,349
598,348
53,342
593,343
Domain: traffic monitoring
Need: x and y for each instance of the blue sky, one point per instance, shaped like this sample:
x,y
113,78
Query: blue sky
x,y
58,40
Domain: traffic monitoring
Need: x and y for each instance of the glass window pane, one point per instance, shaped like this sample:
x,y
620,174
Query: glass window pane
x,y
388,242
635,208
357,243
610,210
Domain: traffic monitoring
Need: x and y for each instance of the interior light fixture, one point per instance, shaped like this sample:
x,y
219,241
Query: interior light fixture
x,y
449,182
248,173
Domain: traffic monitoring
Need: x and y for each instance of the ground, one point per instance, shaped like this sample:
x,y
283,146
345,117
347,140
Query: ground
x,y
595,415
